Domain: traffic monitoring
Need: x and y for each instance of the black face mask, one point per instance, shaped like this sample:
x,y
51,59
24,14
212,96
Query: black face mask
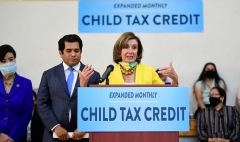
x,y
214,101
210,74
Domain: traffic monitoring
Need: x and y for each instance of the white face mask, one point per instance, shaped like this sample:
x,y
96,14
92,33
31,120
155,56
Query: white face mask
x,y
8,68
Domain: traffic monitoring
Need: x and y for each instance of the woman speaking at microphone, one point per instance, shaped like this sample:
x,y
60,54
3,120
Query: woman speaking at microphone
x,y
127,54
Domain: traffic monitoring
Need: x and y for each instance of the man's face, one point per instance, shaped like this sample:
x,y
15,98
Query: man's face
x,y
71,54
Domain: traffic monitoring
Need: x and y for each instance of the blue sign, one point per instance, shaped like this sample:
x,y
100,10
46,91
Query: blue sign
x,y
118,109
140,16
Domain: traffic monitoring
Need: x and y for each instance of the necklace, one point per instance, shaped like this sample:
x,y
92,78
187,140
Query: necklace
x,y
9,82
127,72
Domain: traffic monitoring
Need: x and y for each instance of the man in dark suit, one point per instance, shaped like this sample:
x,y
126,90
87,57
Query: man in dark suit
x,y
57,98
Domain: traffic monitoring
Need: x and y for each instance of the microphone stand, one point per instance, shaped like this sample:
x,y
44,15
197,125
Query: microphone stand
x,y
107,81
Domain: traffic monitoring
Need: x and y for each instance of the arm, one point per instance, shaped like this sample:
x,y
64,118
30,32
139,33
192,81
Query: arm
x,y
224,87
198,95
200,124
44,104
21,126
235,132
170,72
155,78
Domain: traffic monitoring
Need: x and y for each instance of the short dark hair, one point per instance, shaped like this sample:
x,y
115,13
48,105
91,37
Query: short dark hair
x,y
222,93
122,42
69,38
4,49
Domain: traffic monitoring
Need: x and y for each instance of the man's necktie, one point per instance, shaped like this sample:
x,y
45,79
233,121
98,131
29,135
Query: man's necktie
x,y
70,80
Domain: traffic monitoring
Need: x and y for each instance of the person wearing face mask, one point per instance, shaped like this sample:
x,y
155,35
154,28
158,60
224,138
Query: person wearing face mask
x,y
218,123
16,101
127,54
208,79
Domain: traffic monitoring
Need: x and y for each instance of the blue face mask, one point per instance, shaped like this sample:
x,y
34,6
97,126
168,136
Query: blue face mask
x,y
8,68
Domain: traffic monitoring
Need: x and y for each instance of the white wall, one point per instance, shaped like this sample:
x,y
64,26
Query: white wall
x,y
34,28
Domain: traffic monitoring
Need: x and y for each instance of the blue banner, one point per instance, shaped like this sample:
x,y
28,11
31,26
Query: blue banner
x,y
116,109
140,16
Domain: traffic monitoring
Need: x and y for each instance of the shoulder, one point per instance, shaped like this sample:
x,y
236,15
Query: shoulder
x,y
117,66
207,109
54,69
21,78
199,83
233,108
221,82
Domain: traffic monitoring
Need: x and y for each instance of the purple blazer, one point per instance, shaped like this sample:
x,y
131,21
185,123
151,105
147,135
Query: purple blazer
x,y
16,107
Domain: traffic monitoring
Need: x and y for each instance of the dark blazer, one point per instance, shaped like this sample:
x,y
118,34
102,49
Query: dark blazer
x,y
16,107
54,101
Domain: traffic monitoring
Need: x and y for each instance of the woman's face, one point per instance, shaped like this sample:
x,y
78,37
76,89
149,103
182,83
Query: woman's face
x,y
214,93
209,68
129,53
8,58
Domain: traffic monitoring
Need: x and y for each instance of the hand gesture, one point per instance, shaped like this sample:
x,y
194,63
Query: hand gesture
x,y
78,135
168,72
85,74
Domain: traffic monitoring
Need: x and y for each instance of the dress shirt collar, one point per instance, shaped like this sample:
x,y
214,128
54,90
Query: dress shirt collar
x,y
76,68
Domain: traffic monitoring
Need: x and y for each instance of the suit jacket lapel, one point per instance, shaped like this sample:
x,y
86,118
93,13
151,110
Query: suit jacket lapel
x,y
62,79
139,74
78,81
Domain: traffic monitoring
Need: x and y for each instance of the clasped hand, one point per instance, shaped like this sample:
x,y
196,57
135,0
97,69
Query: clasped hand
x,y
218,140
63,134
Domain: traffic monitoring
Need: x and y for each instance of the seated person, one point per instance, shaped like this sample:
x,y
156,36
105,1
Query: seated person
x,y
218,123
208,79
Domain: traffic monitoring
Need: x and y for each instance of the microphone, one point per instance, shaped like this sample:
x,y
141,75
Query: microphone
x,y
106,73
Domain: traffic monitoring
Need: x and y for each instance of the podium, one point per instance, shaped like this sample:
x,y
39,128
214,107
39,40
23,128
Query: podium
x,y
133,137
110,131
